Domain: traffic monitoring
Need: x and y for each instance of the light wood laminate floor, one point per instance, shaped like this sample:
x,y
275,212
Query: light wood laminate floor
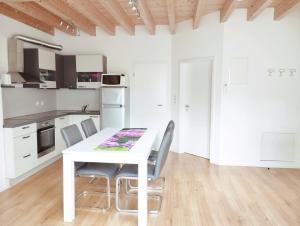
x,y
197,193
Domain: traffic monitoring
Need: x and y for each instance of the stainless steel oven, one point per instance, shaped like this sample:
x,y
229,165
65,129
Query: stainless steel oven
x,y
45,137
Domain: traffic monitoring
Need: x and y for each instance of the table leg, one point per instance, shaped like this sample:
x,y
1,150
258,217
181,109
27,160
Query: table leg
x,y
69,189
142,193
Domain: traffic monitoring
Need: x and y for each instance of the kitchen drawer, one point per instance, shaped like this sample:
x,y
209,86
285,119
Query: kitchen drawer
x,y
25,163
25,143
22,130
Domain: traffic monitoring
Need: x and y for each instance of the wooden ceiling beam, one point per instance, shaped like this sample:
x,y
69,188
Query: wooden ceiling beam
x,y
171,15
89,10
63,9
25,19
200,9
146,16
115,9
256,8
227,9
284,7
38,12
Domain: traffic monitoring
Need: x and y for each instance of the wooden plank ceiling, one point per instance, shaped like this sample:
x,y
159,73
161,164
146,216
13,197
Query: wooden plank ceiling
x,y
70,16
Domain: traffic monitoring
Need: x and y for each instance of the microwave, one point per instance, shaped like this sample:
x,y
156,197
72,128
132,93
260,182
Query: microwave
x,y
114,80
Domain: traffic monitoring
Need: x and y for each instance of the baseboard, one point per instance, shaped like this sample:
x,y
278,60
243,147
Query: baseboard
x,y
12,182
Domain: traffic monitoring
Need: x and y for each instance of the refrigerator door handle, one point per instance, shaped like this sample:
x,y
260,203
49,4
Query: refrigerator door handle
x,y
112,106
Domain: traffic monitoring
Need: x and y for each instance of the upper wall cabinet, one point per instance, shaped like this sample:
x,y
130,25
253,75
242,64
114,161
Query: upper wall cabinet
x,y
89,70
40,66
46,60
70,77
90,63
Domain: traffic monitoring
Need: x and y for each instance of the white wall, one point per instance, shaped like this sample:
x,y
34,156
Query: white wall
x,y
68,99
20,101
122,50
206,41
264,104
241,112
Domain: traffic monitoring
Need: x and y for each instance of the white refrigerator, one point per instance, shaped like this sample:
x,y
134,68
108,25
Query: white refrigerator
x,y
114,112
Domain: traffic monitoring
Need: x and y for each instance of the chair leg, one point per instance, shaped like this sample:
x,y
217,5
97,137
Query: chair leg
x,y
159,197
84,193
108,193
130,188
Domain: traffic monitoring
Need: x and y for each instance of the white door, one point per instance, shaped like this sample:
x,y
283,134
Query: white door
x,y
149,97
195,102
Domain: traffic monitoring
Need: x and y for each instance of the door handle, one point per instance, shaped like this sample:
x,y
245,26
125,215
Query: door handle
x,y
187,106
26,156
160,105
25,127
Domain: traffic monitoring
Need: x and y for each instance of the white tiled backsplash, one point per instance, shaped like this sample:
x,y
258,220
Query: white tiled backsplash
x,y
23,101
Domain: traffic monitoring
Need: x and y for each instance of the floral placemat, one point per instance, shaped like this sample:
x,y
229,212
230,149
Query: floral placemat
x,y
124,140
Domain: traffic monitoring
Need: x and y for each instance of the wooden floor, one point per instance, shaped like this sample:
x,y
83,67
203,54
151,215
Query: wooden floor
x,y
197,193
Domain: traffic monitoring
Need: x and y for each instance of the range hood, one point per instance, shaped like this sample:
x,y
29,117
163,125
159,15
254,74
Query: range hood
x,y
16,64
16,60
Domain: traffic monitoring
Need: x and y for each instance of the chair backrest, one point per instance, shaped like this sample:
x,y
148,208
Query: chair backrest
x,y
164,149
170,126
71,135
88,127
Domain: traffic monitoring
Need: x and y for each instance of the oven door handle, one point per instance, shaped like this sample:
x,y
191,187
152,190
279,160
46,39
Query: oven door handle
x,y
46,130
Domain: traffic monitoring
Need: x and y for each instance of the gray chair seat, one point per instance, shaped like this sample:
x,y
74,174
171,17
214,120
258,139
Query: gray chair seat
x,y
129,170
98,170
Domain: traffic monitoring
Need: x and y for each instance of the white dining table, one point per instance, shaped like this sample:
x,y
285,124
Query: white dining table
x,y
84,151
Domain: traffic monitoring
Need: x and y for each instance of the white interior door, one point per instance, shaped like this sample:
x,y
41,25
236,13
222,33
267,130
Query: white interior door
x,y
195,105
149,96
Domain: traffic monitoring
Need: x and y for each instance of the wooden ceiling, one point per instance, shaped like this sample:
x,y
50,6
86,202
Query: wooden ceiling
x,y
70,16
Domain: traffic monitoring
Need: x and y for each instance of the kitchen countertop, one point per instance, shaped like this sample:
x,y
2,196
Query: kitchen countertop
x,y
44,116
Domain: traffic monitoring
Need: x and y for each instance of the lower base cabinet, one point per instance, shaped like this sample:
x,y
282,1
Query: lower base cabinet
x,y
21,153
20,150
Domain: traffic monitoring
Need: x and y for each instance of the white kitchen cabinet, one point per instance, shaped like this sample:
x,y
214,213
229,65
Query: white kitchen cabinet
x,y
46,60
60,123
20,150
77,119
90,63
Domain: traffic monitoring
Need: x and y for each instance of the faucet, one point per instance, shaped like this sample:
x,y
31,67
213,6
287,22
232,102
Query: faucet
x,y
84,107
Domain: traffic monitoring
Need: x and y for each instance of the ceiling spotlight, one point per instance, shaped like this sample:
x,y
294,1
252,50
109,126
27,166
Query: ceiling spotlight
x,y
133,4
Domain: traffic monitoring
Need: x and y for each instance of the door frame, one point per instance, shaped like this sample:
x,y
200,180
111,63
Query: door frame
x,y
212,97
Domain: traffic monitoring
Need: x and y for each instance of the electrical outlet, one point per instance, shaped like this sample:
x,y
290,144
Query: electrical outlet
x,y
37,103
42,103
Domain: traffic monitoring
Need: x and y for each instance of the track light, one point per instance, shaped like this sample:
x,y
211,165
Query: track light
x,y
133,4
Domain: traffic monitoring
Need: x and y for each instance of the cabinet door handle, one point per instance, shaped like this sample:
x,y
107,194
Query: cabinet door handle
x,y
81,86
25,127
62,118
25,137
26,156
93,116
